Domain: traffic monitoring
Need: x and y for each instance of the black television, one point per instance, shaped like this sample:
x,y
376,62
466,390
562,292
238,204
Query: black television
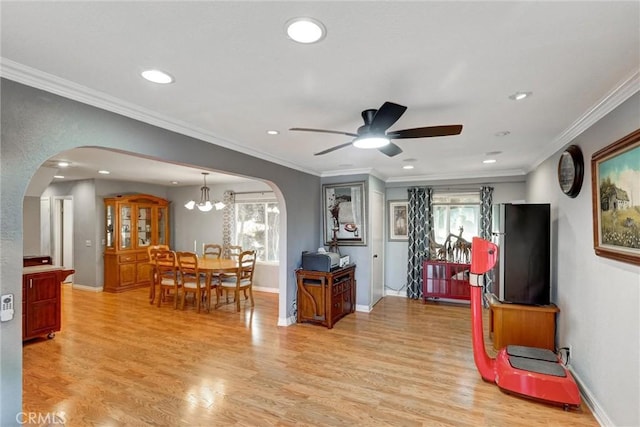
x,y
523,234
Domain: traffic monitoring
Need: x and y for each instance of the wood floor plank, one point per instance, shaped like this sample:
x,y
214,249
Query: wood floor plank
x,y
120,361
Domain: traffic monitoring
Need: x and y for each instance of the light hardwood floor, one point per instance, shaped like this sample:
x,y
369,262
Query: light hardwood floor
x,y
120,361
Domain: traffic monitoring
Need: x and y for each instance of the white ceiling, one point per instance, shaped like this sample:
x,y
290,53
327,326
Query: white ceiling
x,y
238,75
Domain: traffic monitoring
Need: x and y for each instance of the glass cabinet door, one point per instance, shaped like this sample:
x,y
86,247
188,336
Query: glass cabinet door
x,y
110,224
125,227
144,226
162,226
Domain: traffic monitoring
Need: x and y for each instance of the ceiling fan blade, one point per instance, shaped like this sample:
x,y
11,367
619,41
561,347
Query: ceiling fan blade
x,y
425,132
390,149
338,132
387,115
328,150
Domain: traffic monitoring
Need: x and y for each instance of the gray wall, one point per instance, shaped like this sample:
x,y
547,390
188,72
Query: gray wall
x,y
598,297
37,125
31,233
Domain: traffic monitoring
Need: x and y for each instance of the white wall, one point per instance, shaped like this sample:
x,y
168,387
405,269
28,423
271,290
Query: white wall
x,y
599,298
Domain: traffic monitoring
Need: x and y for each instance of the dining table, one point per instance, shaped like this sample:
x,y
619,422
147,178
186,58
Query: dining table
x,y
206,265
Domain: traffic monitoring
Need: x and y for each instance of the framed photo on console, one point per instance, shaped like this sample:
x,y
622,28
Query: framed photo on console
x,y
344,213
615,174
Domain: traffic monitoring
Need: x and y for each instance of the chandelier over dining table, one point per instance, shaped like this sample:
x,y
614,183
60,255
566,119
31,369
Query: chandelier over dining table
x,y
205,204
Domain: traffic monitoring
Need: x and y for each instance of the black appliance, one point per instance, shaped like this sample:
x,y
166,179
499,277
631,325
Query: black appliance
x,y
320,261
523,235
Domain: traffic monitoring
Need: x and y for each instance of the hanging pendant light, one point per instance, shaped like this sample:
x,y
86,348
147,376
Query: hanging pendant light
x,y
205,204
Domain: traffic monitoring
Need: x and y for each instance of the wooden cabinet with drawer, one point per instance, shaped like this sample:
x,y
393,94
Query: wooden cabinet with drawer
x,y
41,300
326,297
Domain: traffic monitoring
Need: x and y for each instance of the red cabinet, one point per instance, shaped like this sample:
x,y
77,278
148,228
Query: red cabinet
x,y
442,279
41,300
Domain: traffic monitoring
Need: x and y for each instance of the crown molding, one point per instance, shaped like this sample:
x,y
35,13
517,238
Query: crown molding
x,y
28,76
624,90
477,175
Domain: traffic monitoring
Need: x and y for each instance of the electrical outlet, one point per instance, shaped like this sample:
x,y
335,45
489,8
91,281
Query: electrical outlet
x,y
569,352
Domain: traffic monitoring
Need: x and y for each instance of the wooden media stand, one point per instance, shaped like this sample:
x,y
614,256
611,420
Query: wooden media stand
x,y
528,325
326,297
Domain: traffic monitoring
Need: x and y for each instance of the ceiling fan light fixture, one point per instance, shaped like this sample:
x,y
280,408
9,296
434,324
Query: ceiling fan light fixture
x,y
371,142
305,30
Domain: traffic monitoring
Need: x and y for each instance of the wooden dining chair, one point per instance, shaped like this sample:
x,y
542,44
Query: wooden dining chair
x,y
166,275
242,280
230,252
212,250
151,251
193,280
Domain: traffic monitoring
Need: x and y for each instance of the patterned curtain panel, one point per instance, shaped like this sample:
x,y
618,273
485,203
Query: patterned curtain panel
x,y
486,204
228,220
419,221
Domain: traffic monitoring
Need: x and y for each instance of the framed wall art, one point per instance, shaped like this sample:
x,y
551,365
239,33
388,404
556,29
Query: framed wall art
x,y
398,227
344,213
615,182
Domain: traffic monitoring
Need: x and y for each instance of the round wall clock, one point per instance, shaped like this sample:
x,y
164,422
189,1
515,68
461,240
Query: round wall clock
x,y
571,171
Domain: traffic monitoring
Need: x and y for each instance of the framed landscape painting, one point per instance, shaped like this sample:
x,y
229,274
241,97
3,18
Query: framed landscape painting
x,y
615,182
344,213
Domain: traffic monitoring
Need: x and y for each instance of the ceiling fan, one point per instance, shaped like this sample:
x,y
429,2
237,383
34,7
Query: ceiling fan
x,y
373,134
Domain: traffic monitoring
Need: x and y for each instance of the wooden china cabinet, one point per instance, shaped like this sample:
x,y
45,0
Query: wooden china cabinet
x,y
133,223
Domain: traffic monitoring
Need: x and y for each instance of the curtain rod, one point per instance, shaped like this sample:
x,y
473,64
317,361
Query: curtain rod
x,y
252,192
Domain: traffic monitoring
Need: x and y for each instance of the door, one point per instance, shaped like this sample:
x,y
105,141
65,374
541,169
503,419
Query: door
x,y
377,247
63,233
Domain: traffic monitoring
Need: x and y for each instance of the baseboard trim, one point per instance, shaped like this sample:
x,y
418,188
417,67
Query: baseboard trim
x,y
287,321
592,403
84,287
394,293
363,308
266,289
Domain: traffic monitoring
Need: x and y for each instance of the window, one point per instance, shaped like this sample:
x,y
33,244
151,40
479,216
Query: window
x,y
455,213
257,227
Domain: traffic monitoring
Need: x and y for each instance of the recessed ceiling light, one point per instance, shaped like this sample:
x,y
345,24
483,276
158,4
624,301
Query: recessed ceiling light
x,y
518,96
63,164
488,161
407,167
273,132
58,176
157,76
175,182
104,172
305,30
